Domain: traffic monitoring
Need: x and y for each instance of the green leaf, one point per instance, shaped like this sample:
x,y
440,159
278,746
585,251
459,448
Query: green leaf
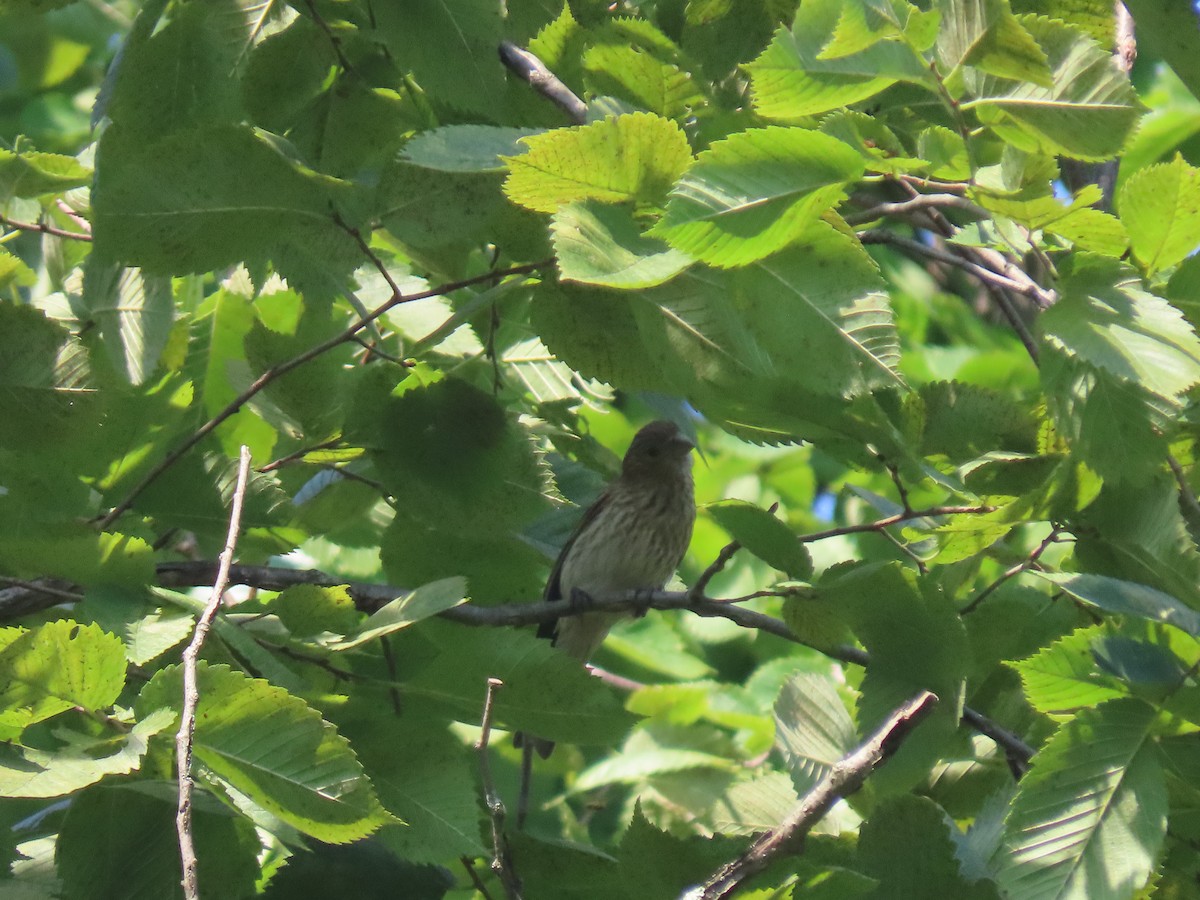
x,y
427,600
276,749
760,532
813,729
917,642
1160,206
307,610
94,857
986,35
965,421
1168,30
13,272
545,692
753,193
1128,599
636,75
32,174
602,245
450,46
147,629
424,774
1063,678
199,200
28,772
1095,785
790,79
135,313
1088,113
55,667
467,148
459,459
907,845
631,158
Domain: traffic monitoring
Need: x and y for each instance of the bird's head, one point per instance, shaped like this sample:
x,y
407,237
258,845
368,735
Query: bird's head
x,y
660,451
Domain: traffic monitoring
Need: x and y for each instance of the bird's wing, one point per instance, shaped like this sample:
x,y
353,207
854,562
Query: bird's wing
x,y
554,582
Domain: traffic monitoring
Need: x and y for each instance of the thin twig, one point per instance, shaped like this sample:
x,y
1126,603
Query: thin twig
x,y
42,587
843,779
880,524
298,454
43,228
501,854
919,201
275,372
1026,286
191,691
1016,750
529,68
476,881
1009,310
389,658
84,225
334,40
720,563
1020,567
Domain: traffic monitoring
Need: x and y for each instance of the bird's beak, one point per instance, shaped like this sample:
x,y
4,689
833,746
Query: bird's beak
x,y
683,444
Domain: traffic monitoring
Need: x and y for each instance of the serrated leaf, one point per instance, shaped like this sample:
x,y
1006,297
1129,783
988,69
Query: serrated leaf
x,y
631,158
32,174
985,34
276,749
1097,784
135,313
632,73
760,532
93,857
1088,113
146,628
754,192
1160,206
1062,678
28,772
789,79
813,729
55,667
602,245
907,845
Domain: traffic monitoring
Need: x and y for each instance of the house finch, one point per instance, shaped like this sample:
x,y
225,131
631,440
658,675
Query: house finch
x,y
631,538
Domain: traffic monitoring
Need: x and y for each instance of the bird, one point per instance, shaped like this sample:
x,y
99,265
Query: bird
x,y
632,537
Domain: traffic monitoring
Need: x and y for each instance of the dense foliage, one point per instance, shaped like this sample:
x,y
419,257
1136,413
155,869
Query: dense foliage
x,y
870,251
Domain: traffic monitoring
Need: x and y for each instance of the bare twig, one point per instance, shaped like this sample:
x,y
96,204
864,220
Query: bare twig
x,y
476,881
43,228
191,692
880,524
532,70
298,454
275,372
719,563
1016,750
1017,283
1020,567
919,201
846,777
501,854
334,41
1009,310
43,586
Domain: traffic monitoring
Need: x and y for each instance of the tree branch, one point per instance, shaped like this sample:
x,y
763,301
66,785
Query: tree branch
x,y
502,864
916,202
43,228
846,777
191,692
275,372
532,70
1017,281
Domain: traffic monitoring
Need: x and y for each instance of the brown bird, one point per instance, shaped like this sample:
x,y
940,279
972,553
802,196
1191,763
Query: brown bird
x,y
632,538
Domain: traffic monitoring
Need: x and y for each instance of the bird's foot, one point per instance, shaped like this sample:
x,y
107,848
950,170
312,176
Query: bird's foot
x,y
581,600
641,603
